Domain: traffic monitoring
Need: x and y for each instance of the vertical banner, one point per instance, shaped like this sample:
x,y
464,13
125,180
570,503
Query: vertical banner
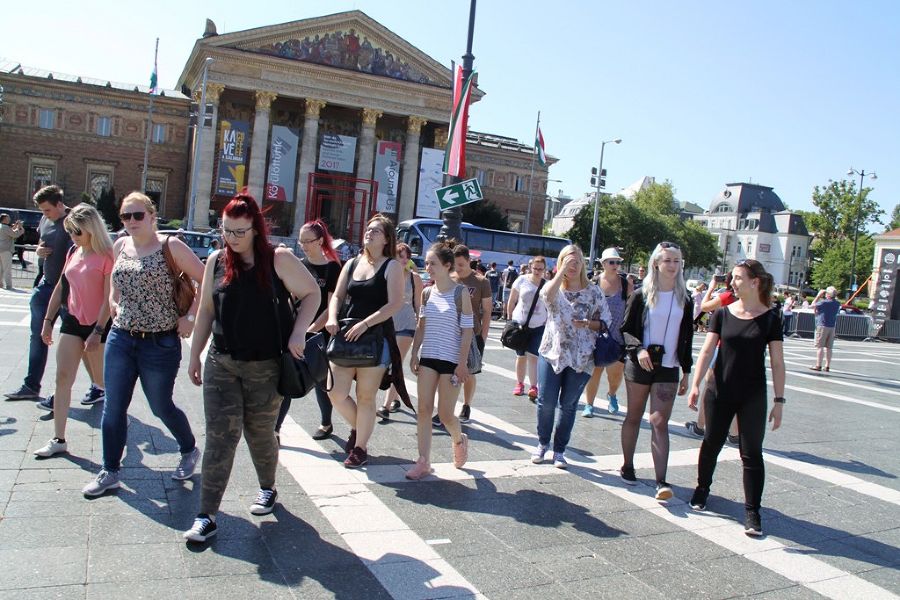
x,y
387,174
337,153
282,163
233,144
886,296
431,177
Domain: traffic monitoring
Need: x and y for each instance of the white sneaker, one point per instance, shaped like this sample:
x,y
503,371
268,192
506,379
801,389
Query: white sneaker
x,y
52,447
559,460
537,456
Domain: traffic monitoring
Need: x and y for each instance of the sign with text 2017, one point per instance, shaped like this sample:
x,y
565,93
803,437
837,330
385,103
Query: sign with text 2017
x,y
387,174
282,162
337,153
232,157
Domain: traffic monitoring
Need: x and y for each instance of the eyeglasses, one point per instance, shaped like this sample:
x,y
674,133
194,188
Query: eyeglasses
x,y
238,233
304,242
127,216
614,262
374,230
538,269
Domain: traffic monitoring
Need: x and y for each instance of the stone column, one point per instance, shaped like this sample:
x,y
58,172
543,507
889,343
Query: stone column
x,y
205,175
260,144
308,156
367,143
410,169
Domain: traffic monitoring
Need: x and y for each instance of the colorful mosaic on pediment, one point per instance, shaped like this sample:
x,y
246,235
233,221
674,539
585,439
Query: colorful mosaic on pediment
x,y
345,50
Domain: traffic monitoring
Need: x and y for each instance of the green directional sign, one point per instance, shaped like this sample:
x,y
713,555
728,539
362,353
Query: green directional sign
x,y
458,194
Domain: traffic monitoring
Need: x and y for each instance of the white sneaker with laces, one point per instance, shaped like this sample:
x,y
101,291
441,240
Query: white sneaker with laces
x,y
202,529
52,447
537,457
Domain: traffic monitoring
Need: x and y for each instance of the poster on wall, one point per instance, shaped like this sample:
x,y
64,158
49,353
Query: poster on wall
x,y
431,177
282,164
232,157
337,153
387,174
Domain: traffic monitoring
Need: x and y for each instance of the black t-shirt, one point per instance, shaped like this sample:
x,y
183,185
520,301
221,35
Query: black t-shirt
x,y
740,367
327,277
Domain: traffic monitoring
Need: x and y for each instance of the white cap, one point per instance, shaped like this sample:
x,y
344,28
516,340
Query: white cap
x,y
610,253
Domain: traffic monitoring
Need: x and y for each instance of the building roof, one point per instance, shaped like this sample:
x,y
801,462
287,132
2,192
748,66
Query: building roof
x,y
746,197
492,140
892,233
641,184
16,68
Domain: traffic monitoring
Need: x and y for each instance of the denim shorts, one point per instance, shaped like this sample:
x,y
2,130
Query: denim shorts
x,y
406,333
385,355
534,341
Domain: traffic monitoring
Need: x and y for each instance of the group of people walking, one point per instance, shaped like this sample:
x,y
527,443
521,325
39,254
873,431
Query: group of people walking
x,y
258,302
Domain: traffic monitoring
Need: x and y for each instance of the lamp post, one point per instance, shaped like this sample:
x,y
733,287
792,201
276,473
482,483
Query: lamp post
x,y
862,175
546,196
601,183
201,120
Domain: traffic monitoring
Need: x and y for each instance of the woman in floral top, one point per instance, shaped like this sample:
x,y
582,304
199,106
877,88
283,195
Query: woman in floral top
x,y
575,310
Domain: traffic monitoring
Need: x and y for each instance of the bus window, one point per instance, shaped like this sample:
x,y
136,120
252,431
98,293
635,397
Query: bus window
x,y
506,242
478,240
403,234
430,231
532,246
554,247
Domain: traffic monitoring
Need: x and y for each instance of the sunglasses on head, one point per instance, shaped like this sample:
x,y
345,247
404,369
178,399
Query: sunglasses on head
x,y
74,231
669,246
137,216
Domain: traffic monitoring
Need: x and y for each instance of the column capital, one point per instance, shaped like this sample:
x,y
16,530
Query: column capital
x,y
313,107
264,100
214,91
440,137
414,124
370,116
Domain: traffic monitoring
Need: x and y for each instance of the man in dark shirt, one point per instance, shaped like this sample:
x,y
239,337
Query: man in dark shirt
x,y
52,248
826,320
493,277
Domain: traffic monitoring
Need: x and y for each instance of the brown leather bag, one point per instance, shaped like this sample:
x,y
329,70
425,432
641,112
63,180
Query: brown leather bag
x,y
184,287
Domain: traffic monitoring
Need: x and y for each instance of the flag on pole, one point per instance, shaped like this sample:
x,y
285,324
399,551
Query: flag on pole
x,y
455,154
539,147
154,85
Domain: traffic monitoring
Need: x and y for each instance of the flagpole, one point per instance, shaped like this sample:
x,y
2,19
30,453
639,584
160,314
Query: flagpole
x,y
534,151
149,124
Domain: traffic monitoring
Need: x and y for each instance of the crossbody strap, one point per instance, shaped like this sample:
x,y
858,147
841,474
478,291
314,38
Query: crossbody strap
x,y
534,303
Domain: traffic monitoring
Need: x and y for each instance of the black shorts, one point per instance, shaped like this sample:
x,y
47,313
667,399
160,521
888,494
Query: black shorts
x,y
480,342
636,374
443,367
71,326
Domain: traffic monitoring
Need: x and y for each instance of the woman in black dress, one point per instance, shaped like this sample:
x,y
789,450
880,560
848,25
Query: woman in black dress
x,y
744,331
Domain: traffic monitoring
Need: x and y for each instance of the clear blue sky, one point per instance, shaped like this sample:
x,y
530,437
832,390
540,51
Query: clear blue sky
x,y
785,94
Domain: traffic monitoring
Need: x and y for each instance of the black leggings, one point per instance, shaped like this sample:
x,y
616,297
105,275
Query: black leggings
x,y
324,407
751,416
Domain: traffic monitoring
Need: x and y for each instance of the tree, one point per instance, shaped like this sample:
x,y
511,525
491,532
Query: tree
x,y
485,214
657,198
109,209
832,268
895,218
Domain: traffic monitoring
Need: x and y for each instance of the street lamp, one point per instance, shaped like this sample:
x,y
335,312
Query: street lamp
x,y
201,119
862,175
601,182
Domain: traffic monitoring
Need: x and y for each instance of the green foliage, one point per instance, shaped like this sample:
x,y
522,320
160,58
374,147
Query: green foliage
x,y
833,265
175,224
87,199
895,218
657,198
485,214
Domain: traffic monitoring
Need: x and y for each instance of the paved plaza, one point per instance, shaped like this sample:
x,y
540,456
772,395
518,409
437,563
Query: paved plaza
x,y
499,528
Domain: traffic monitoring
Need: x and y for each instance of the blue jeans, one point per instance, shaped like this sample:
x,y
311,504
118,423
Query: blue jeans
x,y
155,360
37,349
563,390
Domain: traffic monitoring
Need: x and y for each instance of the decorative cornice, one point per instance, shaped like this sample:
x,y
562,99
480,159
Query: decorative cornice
x,y
264,100
414,124
85,137
314,107
370,116
214,92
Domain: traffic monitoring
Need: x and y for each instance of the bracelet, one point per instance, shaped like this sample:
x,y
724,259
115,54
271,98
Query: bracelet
x,y
779,400
48,320
98,330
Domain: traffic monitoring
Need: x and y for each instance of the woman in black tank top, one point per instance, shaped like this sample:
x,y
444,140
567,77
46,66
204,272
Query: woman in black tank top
x,y
373,284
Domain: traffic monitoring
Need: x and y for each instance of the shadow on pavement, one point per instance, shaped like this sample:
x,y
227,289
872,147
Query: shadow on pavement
x,y
853,466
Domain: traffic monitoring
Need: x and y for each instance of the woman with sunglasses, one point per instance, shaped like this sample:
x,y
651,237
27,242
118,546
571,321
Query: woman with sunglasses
x,y
742,332
85,317
658,329
144,341
373,284
525,292
323,263
404,321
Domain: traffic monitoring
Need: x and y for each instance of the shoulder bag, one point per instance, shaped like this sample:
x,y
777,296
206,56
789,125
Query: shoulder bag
x,y
515,335
364,351
184,287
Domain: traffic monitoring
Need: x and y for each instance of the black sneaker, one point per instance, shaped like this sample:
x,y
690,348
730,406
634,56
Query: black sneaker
x,y
395,405
93,396
383,414
698,500
465,412
694,429
46,403
265,502
734,440
752,523
436,421
628,476
202,529
663,491
23,393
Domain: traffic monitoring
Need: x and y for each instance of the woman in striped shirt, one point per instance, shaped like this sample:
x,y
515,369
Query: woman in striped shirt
x,y
443,336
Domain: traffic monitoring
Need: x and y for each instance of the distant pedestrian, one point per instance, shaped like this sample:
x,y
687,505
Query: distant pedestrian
x,y
787,314
743,332
480,295
525,293
9,233
507,278
493,277
826,310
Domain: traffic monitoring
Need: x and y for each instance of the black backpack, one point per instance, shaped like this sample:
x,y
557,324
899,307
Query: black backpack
x,y
511,276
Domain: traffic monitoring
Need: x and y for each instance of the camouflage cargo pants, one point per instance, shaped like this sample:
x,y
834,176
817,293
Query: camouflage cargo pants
x,y
238,397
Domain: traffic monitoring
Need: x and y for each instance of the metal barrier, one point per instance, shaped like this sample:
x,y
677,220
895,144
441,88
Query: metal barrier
x,y
890,331
24,267
848,327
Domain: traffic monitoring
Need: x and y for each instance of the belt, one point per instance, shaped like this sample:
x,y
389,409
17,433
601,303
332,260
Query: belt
x,y
147,334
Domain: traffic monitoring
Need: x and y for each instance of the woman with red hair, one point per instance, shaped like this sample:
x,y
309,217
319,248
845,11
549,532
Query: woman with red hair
x,y
245,303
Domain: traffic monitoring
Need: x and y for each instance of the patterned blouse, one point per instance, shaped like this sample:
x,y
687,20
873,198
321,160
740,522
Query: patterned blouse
x,y
146,293
564,345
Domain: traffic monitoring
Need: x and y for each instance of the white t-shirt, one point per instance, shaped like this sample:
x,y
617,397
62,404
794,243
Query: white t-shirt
x,y
655,331
527,290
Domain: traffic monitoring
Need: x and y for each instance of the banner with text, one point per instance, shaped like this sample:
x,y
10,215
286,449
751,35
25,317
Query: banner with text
x,y
282,163
232,157
337,153
387,174
431,177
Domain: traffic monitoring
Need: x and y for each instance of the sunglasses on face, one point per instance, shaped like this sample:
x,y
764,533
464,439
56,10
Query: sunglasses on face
x,y
614,262
127,216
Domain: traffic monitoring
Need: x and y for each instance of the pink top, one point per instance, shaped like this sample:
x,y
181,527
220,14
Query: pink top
x,y
85,274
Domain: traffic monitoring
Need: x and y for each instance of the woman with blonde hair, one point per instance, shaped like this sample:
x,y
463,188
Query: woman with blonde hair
x,y
658,328
85,316
576,312
144,342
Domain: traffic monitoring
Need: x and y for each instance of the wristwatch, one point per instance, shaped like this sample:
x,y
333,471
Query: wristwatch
x,y
191,318
779,400
98,330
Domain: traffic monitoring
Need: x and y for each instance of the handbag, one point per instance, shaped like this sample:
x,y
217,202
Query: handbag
x,y
296,378
184,287
606,349
515,334
364,351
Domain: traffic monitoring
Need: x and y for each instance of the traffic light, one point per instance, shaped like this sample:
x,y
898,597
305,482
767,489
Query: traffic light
x,y
594,177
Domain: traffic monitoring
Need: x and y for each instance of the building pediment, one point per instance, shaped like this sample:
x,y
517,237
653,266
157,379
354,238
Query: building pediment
x,y
350,41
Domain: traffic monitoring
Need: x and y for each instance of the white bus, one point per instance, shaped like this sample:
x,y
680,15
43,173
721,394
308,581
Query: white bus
x,y
491,245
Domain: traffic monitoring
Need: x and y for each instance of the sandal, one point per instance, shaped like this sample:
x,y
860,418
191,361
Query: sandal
x,y
816,368
323,432
827,369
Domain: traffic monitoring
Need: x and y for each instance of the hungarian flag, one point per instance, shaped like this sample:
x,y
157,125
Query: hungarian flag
x,y
455,155
154,86
539,147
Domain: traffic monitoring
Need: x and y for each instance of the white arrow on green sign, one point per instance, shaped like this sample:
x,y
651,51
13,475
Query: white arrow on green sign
x,y
457,194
